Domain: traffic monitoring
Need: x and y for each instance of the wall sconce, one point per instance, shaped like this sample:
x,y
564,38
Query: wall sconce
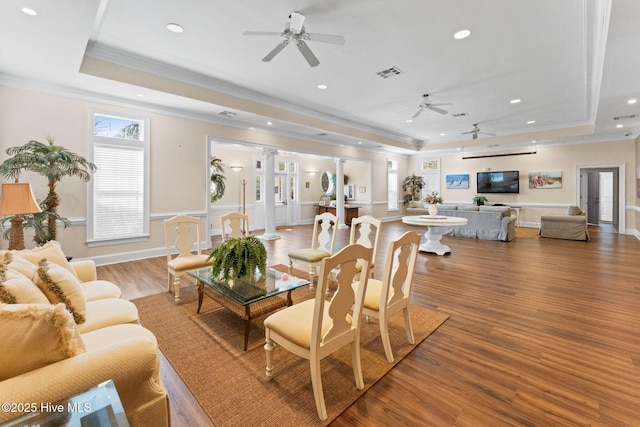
x,y
311,172
236,168
17,199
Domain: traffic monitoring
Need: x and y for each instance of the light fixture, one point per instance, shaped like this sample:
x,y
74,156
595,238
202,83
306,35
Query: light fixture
x,y
236,168
175,28
618,126
632,101
462,34
515,101
29,11
530,122
269,123
311,172
409,121
17,199
322,87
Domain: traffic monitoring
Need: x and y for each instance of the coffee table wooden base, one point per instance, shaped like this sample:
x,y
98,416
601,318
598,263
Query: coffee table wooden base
x,y
245,312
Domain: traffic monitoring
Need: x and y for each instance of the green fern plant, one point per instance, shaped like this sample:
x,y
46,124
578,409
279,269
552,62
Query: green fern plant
x,y
239,258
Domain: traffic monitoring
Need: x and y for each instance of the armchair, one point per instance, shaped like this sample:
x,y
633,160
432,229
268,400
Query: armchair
x,y
571,226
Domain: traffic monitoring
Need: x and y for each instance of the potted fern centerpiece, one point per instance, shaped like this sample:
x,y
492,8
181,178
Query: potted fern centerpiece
x,y
239,258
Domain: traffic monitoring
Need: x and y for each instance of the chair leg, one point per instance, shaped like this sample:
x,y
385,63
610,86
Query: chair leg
x,y
268,349
318,394
355,361
176,289
407,324
384,334
290,266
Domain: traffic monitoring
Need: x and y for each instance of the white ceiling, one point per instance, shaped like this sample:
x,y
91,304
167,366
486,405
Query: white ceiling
x,y
573,64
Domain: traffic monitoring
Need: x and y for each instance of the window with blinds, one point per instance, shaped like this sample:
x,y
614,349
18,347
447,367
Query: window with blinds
x,y
118,199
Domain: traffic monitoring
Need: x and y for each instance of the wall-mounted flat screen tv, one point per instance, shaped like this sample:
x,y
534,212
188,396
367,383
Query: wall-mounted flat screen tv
x,y
499,182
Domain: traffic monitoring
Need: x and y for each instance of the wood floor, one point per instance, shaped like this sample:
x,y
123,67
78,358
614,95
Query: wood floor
x,y
542,332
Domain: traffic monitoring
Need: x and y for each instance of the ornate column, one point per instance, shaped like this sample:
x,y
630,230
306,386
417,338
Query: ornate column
x,y
340,193
269,197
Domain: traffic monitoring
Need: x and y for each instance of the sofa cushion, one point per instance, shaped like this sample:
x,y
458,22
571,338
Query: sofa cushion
x,y
444,207
100,289
60,285
468,208
108,312
35,335
506,210
17,289
574,210
415,204
51,250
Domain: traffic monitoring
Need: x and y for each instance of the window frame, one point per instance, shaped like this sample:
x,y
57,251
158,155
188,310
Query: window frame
x,y
144,144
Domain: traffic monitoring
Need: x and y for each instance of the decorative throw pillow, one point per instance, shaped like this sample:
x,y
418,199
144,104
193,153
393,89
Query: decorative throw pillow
x,y
574,210
51,250
60,285
20,265
36,335
15,288
415,204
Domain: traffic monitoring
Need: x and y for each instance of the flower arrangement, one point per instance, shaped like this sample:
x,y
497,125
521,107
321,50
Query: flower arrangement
x,y
433,198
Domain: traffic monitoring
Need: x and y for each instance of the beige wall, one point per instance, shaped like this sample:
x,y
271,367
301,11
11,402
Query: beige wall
x,y
178,171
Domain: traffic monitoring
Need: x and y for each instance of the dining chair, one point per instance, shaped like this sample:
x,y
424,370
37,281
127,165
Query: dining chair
x,y
367,230
322,243
237,224
181,233
316,328
386,297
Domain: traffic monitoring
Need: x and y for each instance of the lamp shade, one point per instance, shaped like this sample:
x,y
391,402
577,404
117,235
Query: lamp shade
x,y
16,198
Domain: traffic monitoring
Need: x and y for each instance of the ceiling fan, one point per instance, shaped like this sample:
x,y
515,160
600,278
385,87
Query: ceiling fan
x,y
294,31
476,130
426,105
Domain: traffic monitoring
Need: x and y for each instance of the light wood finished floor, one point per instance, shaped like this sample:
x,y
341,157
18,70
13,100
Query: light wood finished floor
x,y
542,332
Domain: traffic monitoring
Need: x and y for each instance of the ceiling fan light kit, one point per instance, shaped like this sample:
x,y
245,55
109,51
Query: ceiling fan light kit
x,y
295,31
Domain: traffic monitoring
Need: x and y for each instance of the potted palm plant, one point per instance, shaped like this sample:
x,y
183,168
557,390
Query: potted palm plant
x,y
414,184
54,162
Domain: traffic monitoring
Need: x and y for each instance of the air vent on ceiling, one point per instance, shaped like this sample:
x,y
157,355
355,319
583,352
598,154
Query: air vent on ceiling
x,y
227,113
389,72
460,114
630,116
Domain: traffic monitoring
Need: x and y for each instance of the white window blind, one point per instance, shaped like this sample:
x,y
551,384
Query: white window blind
x,y
118,198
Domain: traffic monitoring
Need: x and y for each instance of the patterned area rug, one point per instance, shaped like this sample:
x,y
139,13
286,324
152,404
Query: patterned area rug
x,y
230,384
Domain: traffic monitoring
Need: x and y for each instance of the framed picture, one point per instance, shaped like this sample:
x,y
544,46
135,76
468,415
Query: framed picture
x,y
552,179
458,181
350,191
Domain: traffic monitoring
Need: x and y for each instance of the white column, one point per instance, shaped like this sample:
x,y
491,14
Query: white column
x,y
340,193
269,197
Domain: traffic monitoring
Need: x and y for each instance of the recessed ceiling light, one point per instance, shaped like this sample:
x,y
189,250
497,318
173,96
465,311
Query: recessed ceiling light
x,y
269,123
360,142
618,126
632,101
322,87
515,101
139,95
409,121
29,11
443,134
530,122
175,28
462,34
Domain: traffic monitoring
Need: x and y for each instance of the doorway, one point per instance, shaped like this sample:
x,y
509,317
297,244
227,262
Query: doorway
x,y
600,196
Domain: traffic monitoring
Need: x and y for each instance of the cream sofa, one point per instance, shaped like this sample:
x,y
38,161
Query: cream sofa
x,y
572,226
484,222
64,331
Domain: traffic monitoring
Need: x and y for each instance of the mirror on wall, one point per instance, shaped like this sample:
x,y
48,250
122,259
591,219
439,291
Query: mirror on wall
x,y
327,183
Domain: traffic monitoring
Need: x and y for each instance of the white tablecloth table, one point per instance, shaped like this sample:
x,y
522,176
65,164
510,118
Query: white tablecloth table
x,y
434,226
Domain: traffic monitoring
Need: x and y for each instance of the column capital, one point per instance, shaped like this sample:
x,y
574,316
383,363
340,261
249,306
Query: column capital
x,y
267,152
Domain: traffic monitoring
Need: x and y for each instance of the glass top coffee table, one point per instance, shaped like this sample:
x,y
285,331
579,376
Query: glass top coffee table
x,y
248,298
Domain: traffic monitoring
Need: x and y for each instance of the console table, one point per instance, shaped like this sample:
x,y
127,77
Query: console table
x,y
350,211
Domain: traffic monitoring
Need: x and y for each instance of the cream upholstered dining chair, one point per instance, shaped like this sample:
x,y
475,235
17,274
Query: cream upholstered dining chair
x,y
322,243
367,230
237,223
316,328
181,233
390,295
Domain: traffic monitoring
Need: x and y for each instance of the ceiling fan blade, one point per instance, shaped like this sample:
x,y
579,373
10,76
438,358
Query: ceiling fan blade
x,y
261,33
276,51
420,110
436,109
325,38
306,52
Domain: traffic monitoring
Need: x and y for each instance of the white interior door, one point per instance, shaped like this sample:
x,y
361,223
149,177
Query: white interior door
x,y
286,192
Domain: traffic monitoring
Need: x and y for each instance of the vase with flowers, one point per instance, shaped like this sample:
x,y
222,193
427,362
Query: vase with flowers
x,y
433,199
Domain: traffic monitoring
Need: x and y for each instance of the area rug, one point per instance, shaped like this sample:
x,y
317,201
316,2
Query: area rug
x,y
230,384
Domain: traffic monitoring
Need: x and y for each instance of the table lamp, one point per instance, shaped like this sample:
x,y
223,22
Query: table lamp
x,y
17,199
